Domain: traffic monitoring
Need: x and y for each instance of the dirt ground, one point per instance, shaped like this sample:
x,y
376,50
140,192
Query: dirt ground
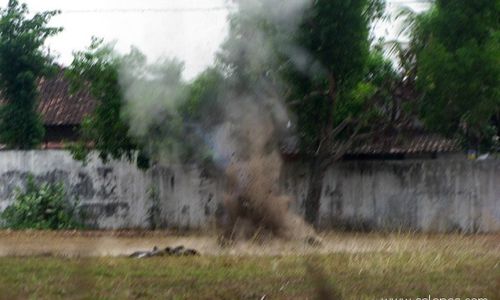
x,y
120,243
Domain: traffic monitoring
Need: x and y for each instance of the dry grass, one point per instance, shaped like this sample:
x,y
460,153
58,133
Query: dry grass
x,y
362,266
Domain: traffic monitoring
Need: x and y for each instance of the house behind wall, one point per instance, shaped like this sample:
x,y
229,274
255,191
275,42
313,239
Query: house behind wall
x,y
61,111
412,180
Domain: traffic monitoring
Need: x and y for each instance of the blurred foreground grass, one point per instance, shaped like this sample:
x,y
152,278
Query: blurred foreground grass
x,y
448,266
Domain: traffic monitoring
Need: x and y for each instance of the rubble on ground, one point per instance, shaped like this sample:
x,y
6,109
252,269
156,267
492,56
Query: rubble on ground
x,y
168,251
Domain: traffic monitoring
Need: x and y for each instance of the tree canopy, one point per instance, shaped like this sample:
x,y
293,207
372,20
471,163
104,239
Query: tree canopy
x,y
317,56
458,62
23,59
97,69
146,113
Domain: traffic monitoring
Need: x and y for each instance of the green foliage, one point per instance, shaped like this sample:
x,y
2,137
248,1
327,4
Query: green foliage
x,y
459,69
335,88
97,69
22,61
203,94
201,110
152,95
145,112
40,206
317,58
313,54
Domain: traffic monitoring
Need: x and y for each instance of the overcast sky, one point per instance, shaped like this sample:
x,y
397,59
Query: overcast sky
x,y
190,30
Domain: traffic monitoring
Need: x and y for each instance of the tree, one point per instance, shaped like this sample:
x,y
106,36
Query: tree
x,y
201,111
321,64
201,105
458,64
333,108
98,70
142,114
23,60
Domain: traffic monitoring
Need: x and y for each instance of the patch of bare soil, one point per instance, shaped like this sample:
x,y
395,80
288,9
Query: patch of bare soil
x,y
122,243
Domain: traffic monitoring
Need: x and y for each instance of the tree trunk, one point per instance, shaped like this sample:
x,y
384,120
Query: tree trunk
x,y
315,188
318,164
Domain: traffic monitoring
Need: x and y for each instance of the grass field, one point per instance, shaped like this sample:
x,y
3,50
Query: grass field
x,y
362,266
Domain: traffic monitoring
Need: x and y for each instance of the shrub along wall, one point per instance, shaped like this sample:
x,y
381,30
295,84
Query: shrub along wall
x,y
425,195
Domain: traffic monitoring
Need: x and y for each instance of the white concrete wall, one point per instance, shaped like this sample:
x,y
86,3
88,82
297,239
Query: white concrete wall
x,y
112,196
426,195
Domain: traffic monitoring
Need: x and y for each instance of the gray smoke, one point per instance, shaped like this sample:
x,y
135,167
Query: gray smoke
x,y
242,137
153,93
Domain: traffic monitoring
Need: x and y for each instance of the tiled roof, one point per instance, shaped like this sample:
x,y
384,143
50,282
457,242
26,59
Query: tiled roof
x,y
58,106
411,144
404,143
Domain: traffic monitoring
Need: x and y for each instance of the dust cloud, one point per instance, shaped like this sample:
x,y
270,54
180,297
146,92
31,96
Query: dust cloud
x,y
242,140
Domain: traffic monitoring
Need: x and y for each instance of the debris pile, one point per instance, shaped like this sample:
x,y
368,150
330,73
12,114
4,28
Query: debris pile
x,y
168,251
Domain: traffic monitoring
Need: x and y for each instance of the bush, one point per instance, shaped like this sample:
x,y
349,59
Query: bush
x,y
41,206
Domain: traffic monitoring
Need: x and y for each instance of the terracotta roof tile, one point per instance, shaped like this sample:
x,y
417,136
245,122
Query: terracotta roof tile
x,y
58,106
408,144
404,143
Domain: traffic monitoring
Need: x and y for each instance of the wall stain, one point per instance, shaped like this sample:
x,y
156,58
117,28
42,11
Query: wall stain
x,y
84,188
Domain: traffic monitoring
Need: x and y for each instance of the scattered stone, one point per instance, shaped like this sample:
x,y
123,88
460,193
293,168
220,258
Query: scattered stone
x,y
178,250
168,251
138,254
144,254
190,252
313,241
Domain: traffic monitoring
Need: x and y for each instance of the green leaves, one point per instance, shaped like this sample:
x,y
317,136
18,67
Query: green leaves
x,y
317,59
335,35
145,112
459,70
41,206
23,60
97,69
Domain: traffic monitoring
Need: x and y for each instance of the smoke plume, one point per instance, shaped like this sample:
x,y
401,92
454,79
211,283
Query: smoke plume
x,y
253,198
242,137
